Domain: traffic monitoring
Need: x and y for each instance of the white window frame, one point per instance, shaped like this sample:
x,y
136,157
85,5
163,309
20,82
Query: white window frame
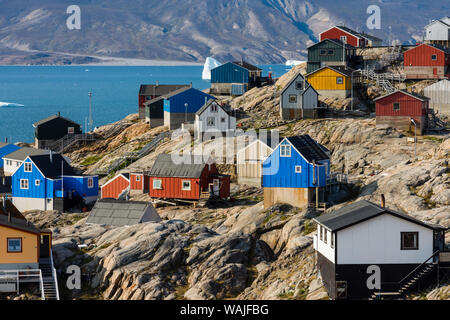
x,y
26,165
37,182
24,184
321,233
292,98
70,130
210,123
434,57
344,39
298,169
185,188
90,183
339,80
138,178
285,151
157,184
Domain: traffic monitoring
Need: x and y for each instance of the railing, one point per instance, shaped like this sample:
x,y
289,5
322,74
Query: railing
x,y
54,274
25,275
41,281
68,140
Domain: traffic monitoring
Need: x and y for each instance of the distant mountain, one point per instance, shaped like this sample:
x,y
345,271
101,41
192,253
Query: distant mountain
x,y
262,31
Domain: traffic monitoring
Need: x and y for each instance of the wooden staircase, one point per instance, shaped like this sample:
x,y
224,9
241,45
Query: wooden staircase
x,y
49,281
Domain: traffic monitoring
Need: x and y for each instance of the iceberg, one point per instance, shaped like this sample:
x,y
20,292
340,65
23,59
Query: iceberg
x,y
10,104
291,63
210,64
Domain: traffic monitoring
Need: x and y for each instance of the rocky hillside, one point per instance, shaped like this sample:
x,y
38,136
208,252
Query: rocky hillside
x,y
269,31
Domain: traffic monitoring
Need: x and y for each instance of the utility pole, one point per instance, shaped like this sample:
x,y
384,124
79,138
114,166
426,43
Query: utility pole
x,y
415,138
90,110
185,112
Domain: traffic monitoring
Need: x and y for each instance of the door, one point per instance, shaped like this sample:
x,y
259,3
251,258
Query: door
x,y
216,187
45,246
435,72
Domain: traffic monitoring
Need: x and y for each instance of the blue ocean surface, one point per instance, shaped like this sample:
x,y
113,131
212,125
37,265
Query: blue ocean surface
x,y
31,93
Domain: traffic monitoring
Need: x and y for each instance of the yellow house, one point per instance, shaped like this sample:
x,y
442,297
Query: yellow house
x,y
22,245
332,81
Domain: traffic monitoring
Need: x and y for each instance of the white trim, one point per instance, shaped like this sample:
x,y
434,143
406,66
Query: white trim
x,y
160,184
353,35
28,184
120,174
37,182
28,157
256,140
182,186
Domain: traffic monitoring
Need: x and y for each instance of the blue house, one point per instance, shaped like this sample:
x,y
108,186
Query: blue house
x,y
181,105
5,149
234,77
48,182
296,172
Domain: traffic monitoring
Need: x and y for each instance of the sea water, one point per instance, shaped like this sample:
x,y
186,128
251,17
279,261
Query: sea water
x,y
31,93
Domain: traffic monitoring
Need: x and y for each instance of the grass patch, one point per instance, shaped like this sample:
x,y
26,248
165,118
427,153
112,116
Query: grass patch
x,y
431,138
310,226
91,160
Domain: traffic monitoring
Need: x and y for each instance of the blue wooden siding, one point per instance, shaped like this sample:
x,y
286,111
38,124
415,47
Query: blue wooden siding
x,y
5,150
80,185
279,172
229,73
193,97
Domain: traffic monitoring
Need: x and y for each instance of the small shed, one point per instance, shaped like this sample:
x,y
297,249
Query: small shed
x,y
191,179
332,81
439,94
299,100
214,118
249,162
139,183
53,128
120,213
114,187
398,108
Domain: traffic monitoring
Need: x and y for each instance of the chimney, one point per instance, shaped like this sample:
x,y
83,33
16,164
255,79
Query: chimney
x,y
383,201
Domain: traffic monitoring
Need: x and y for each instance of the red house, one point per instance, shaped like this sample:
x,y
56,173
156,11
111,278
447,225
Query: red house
x,y
193,180
398,108
427,61
351,37
114,187
138,183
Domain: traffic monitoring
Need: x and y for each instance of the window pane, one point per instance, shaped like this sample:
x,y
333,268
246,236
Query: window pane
x,y
14,245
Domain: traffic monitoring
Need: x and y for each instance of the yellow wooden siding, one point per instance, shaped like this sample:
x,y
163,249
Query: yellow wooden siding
x,y
325,79
30,243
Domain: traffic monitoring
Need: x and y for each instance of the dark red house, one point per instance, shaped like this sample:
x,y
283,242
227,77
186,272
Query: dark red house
x,y
427,61
114,187
351,37
148,92
193,180
398,108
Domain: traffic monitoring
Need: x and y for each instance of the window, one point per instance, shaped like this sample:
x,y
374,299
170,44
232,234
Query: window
x,y
298,169
90,183
24,184
17,164
339,80
70,130
222,120
186,185
210,121
138,178
325,233
330,52
285,150
332,239
28,167
14,244
37,182
396,106
321,233
157,184
292,98
344,39
433,57
299,85
323,52
214,107
409,241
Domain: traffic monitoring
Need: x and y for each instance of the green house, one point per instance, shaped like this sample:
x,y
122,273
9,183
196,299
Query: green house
x,y
330,52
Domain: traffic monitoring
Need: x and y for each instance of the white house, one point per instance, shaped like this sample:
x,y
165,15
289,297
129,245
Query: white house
x,y
439,94
438,32
250,159
363,242
214,117
15,159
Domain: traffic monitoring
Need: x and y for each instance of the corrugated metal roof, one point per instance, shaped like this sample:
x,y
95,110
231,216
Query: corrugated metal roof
x,y
309,148
160,89
411,94
118,212
51,167
361,211
165,167
246,65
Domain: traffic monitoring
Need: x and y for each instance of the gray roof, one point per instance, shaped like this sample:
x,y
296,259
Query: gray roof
x,y
246,65
225,107
309,148
53,117
165,167
159,89
17,220
51,167
120,212
24,152
358,34
345,71
338,42
361,211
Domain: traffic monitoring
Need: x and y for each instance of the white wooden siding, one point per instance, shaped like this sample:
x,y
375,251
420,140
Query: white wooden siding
x,y
437,31
249,160
201,120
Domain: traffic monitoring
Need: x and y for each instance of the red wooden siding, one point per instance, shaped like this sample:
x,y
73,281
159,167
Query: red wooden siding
x,y
409,106
141,185
171,188
335,33
420,56
113,188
